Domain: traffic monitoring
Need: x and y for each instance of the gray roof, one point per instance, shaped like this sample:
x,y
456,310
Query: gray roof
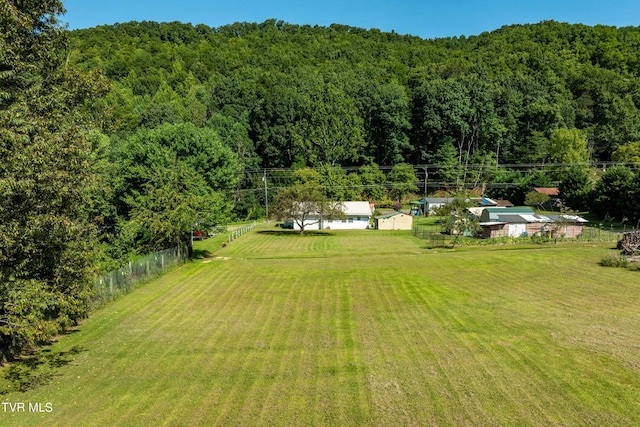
x,y
512,219
567,218
392,214
439,199
515,218
360,208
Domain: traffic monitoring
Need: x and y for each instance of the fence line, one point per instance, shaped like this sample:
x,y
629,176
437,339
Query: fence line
x,y
431,232
124,279
435,235
240,231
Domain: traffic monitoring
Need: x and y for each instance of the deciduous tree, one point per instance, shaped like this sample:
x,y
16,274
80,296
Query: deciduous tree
x,y
305,204
402,180
171,177
46,234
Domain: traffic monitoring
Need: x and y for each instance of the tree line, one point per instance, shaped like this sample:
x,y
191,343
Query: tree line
x,y
120,140
290,96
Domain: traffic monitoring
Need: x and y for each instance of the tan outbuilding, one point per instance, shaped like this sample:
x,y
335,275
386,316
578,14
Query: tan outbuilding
x,y
393,221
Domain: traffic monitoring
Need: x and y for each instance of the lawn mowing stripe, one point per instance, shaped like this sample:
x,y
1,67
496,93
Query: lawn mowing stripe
x,y
572,289
300,391
336,401
349,331
221,291
377,336
155,317
190,295
101,372
453,345
453,348
547,345
255,403
200,364
249,407
235,358
469,346
274,395
450,341
472,337
319,333
134,357
464,345
223,412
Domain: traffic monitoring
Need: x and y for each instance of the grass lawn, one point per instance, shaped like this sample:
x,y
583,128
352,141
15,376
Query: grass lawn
x,y
351,328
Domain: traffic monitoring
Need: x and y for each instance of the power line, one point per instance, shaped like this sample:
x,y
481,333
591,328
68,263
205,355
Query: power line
x,y
438,166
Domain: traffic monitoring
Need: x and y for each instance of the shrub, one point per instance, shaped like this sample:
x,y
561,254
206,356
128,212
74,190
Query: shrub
x,y
614,261
634,266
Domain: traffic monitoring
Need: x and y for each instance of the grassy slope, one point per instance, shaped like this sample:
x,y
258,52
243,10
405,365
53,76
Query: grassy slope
x,y
358,328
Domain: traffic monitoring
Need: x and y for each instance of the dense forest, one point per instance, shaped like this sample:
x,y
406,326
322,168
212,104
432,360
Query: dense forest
x,y
486,111
301,95
120,140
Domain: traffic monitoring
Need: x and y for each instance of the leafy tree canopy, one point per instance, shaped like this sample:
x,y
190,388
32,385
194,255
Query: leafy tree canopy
x,y
305,205
344,95
47,227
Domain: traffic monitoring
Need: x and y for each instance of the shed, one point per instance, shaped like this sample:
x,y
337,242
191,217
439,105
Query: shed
x,y
432,203
506,223
549,191
491,214
552,192
484,202
393,221
501,203
569,226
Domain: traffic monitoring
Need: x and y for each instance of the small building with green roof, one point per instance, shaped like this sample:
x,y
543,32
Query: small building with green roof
x,y
393,221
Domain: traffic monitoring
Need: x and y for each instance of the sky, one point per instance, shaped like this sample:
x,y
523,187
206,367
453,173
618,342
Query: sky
x,y
426,18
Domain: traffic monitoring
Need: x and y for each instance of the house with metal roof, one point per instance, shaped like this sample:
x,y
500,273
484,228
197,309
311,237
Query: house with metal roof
x,y
430,204
491,214
516,222
357,216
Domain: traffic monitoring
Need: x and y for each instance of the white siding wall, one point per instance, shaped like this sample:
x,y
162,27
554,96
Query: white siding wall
x,y
349,223
517,230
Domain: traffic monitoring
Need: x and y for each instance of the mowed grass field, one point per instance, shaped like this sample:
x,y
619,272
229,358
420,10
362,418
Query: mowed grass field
x,y
355,328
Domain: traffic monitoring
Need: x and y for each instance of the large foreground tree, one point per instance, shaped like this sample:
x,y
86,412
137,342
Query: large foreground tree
x,y
45,179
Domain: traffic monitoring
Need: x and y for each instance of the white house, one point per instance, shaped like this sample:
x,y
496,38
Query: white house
x,y
357,217
433,203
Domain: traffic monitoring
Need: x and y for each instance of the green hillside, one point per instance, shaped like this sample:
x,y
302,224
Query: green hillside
x,y
267,85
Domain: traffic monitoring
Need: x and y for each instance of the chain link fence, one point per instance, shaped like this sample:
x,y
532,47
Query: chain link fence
x,y
124,279
432,233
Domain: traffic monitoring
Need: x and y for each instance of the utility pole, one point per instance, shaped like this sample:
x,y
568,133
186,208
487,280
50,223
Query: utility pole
x,y
426,177
266,197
